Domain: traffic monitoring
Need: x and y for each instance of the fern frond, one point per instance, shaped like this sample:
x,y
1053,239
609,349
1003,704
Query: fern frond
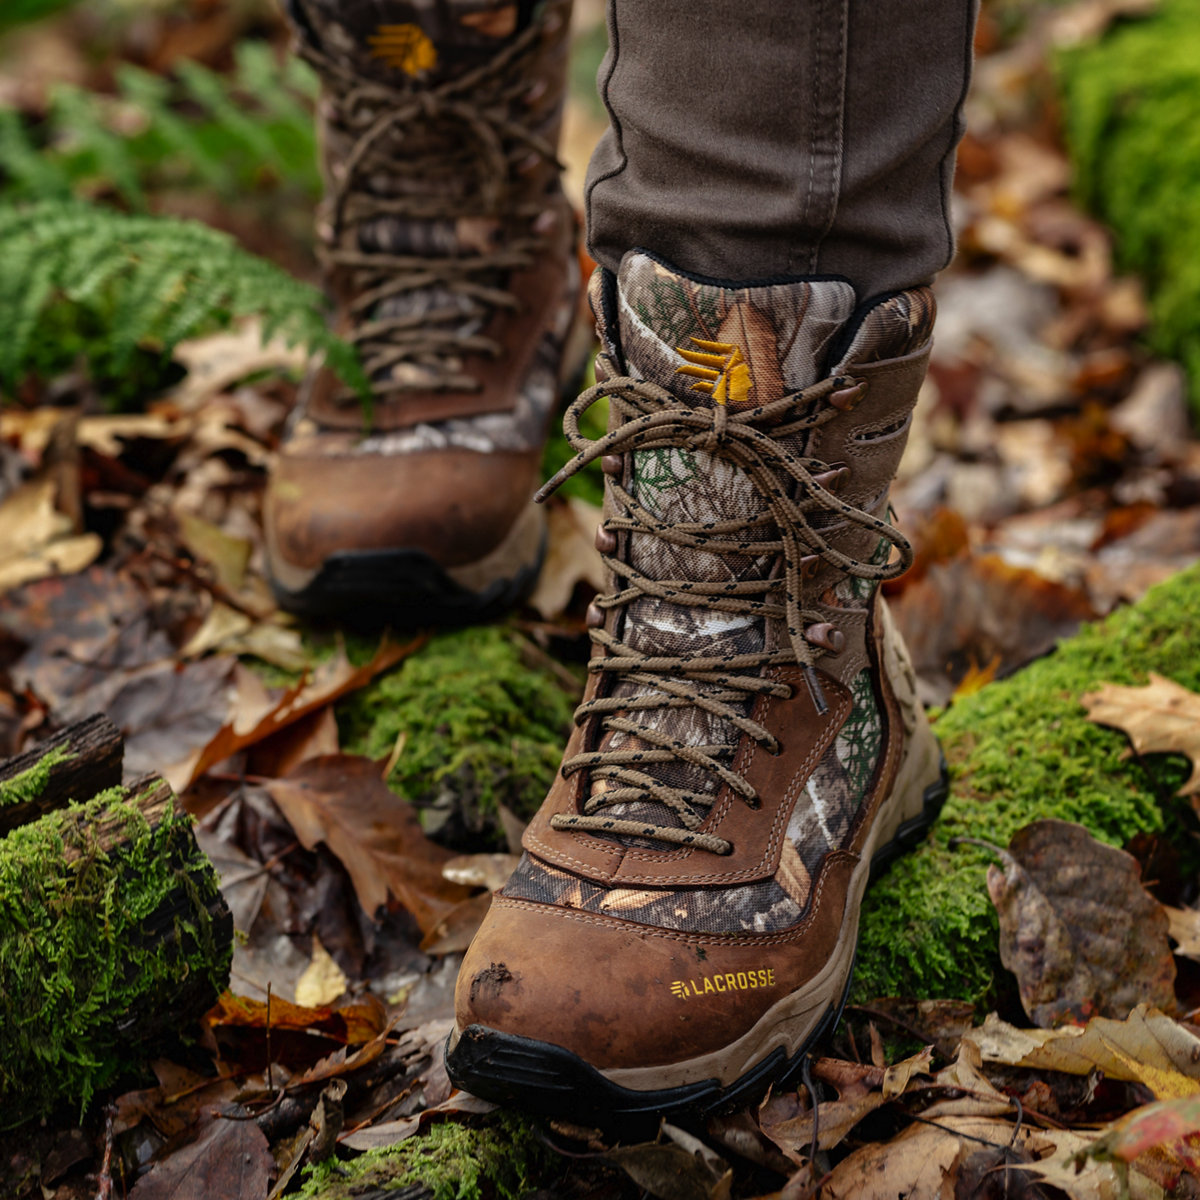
x,y
154,280
227,133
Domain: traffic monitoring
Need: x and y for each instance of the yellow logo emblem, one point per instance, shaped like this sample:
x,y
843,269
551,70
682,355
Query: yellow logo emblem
x,y
404,48
720,370
741,981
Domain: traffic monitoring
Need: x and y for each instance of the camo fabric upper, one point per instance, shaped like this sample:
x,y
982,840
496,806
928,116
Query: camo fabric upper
x,y
439,120
708,344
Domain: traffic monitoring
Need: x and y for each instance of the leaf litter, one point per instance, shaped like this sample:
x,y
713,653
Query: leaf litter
x,y
1049,476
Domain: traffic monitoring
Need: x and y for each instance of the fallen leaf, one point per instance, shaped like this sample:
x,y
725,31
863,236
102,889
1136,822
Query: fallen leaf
x,y
669,1172
1078,930
1184,926
353,1024
1068,1167
229,1158
861,1090
1160,718
341,801
323,981
455,931
1148,1047
489,871
216,362
1170,1124
921,1162
257,721
571,556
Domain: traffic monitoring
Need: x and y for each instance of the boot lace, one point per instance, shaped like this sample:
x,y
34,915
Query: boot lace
x,y
459,129
649,417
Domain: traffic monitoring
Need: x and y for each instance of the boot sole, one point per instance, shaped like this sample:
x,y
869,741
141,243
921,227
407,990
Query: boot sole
x,y
551,1081
406,589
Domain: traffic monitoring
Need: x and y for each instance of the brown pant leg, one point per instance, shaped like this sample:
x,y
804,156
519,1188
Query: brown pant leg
x,y
752,139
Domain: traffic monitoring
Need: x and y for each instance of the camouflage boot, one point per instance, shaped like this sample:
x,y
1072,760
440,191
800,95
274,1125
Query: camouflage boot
x,y
750,747
448,247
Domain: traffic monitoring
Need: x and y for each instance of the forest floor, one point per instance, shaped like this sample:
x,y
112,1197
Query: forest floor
x,y
1051,479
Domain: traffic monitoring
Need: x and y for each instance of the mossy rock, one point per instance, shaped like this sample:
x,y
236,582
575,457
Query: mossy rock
x,y
484,718
1018,750
501,1159
1132,115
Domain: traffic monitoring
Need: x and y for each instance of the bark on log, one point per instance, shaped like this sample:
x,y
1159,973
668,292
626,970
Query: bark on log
x,y
76,764
113,932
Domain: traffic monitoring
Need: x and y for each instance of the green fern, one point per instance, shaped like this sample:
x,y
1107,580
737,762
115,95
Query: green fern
x,y
146,283
233,135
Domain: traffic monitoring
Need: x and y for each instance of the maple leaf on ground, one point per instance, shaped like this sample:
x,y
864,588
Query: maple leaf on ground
x,y
1160,718
340,800
1078,930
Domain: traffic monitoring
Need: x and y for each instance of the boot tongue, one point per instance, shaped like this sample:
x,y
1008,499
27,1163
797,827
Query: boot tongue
x,y
707,344
427,41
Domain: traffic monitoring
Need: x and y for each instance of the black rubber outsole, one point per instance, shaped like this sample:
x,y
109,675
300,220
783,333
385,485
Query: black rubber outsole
x,y
403,589
549,1081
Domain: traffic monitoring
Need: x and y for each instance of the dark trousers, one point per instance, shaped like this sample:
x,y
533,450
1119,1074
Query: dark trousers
x,y
758,139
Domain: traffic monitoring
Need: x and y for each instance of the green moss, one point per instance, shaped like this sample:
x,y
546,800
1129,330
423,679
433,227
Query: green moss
x,y
1018,750
1132,109
84,954
484,724
29,785
501,1159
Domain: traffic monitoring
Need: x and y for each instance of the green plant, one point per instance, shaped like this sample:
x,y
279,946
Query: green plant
x,y
1132,109
22,12
144,284
232,135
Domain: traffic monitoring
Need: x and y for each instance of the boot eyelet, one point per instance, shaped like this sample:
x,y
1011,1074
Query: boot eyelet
x,y
606,540
595,617
612,464
827,637
847,399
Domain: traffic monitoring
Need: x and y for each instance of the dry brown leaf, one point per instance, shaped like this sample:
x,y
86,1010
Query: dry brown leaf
x,y
341,801
455,930
253,722
1184,926
1148,1047
1160,718
920,1163
1078,930
1067,1167
489,871
323,981
216,362
354,1024
229,1158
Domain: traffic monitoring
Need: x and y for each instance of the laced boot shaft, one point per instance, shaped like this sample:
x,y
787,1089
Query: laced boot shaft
x,y
437,191
777,541
682,923
448,248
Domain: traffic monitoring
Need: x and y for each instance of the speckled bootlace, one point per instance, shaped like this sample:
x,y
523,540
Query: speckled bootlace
x,y
476,134
649,417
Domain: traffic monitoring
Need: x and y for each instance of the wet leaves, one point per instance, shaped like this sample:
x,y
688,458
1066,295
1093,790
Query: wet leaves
x,y
1078,930
341,801
227,1158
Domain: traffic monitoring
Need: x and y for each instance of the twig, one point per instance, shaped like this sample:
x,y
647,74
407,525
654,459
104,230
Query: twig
x,y
104,1188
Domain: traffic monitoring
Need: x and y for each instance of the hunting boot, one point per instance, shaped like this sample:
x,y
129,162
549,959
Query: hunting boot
x,y
448,247
750,746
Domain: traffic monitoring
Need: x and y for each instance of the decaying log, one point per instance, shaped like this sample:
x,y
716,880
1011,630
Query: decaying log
x,y
113,932
78,763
